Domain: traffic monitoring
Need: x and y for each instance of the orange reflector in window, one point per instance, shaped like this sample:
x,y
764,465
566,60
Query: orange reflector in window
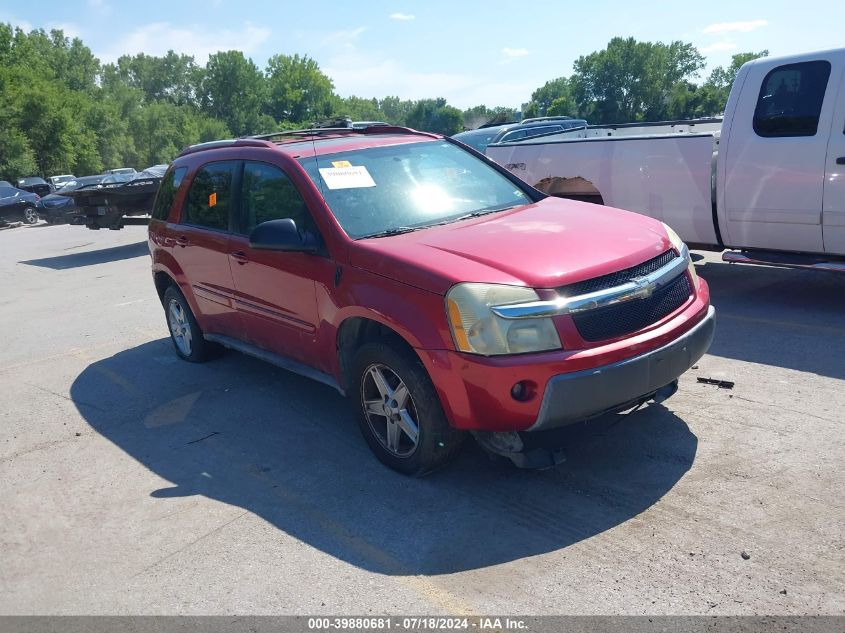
x,y
212,199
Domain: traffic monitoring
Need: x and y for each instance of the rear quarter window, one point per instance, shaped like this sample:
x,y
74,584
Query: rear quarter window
x,y
167,192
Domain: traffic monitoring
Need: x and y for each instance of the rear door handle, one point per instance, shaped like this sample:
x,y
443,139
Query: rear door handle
x,y
182,241
240,257
840,160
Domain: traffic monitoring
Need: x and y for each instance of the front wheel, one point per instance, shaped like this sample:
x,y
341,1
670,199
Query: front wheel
x,y
30,215
400,414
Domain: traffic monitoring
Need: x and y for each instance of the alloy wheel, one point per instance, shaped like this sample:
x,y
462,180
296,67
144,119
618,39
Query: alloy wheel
x,y
390,410
180,327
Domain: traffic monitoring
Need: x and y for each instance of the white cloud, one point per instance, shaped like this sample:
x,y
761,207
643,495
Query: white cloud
x,y
404,17
345,39
70,29
360,74
101,7
16,22
157,38
717,47
514,52
735,27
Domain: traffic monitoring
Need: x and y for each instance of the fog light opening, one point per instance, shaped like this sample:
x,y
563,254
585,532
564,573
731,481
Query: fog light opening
x,y
523,391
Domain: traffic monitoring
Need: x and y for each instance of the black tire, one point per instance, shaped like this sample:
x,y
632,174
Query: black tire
x,y
437,442
199,350
30,215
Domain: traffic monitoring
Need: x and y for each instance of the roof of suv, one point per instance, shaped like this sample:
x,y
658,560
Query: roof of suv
x,y
305,143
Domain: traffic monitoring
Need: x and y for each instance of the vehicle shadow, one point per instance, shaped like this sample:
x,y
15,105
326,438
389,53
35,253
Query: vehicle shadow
x,y
777,316
91,258
288,450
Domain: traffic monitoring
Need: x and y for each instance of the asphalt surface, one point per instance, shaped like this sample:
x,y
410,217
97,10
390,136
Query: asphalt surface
x,y
134,483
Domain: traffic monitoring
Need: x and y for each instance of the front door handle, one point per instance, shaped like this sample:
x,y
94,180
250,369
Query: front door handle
x,y
240,257
840,160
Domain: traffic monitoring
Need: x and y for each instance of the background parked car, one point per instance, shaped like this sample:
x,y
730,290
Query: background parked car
x,y
34,184
121,170
58,182
58,208
17,205
482,137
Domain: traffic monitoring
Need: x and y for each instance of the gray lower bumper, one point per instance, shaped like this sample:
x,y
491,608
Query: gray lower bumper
x,y
574,397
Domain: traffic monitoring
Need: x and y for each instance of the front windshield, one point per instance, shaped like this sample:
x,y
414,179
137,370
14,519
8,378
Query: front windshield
x,y
399,187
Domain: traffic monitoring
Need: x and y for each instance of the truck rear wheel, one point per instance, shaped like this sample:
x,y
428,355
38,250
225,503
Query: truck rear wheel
x,y
399,412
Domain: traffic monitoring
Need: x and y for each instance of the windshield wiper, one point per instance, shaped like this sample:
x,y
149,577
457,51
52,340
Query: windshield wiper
x,y
475,214
396,230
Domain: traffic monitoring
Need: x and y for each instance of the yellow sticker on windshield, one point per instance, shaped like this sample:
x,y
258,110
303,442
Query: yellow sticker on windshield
x,y
212,199
341,163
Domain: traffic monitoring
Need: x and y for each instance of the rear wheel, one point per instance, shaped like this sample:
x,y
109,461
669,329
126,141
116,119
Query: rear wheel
x,y
30,215
185,332
400,414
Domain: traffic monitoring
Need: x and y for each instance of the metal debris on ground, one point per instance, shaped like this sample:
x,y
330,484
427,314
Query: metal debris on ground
x,y
721,384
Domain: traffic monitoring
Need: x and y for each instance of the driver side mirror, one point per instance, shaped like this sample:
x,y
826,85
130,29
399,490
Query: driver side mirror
x,y
282,235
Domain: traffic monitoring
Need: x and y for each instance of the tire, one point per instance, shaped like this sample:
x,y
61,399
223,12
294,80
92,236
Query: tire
x,y
30,215
185,332
386,429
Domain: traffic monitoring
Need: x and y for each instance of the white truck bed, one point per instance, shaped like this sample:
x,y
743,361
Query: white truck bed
x,y
672,183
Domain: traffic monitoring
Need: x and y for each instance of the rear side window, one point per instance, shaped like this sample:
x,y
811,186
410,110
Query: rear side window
x,y
209,199
268,194
790,100
167,192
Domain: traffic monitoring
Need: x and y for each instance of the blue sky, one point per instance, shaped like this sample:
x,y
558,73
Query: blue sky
x,y
469,52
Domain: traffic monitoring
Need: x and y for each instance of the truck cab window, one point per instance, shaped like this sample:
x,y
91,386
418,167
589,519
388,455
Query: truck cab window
x,y
790,100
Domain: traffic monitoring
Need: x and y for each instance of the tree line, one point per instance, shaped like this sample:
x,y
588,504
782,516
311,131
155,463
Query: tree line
x,y
63,111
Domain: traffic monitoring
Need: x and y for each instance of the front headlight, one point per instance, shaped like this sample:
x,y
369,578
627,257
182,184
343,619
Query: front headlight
x,y
477,330
683,250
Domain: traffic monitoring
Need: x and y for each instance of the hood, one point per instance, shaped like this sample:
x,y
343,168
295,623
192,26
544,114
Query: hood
x,y
551,243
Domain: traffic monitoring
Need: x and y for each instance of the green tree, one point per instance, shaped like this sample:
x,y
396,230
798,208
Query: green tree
x,y
631,80
435,115
172,78
298,89
545,95
233,90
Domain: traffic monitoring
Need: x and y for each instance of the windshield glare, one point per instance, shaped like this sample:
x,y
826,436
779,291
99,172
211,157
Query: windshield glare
x,y
413,185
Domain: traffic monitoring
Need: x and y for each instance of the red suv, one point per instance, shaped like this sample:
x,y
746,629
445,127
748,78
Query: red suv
x,y
435,289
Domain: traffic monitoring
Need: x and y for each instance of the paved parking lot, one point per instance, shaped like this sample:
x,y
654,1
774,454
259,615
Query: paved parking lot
x,y
131,482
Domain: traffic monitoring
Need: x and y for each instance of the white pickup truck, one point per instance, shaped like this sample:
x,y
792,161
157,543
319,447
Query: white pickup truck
x,y
767,180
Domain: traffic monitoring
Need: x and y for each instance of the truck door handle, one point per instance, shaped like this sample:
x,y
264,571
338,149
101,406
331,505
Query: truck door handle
x,y
182,241
240,257
840,160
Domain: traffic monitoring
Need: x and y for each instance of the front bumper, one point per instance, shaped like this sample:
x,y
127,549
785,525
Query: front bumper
x,y
475,391
581,395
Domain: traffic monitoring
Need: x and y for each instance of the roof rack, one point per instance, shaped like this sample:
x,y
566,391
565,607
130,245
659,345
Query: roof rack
x,y
232,142
328,131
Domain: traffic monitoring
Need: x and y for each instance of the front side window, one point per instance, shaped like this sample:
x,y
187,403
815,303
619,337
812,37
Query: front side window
x,y
209,199
268,194
790,100
409,186
167,192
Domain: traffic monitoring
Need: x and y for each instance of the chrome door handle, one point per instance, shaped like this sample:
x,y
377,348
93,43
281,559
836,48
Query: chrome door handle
x,y
240,257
